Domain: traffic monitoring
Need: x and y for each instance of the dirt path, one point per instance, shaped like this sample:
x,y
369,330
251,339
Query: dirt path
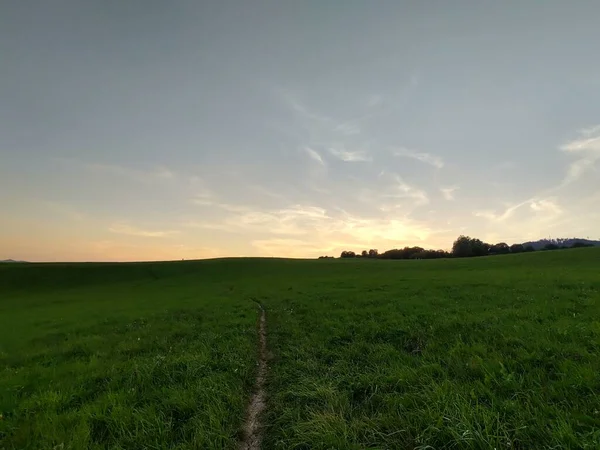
x,y
253,431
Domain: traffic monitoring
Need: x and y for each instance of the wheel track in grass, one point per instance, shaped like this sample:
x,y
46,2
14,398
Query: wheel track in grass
x,y
253,429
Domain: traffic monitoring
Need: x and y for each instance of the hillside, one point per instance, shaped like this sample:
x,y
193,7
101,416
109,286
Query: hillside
x,y
362,353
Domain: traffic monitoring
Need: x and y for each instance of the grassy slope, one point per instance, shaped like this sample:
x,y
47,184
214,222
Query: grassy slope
x,y
477,353
501,352
126,356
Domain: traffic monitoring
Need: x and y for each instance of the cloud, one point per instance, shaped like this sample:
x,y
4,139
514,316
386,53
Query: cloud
x,y
401,189
314,155
308,230
448,192
202,201
374,101
203,197
124,228
347,128
364,231
590,130
350,156
501,216
586,150
302,110
140,175
531,219
294,220
426,158
391,193
322,128
264,192
505,165
290,247
324,123
65,210
547,207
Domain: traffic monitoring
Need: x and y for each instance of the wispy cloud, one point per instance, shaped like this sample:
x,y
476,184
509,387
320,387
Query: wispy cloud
x,y
125,228
324,123
586,150
544,206
203,197
589,131
201,200
314,155
531,219
342,153
348,128
294,220
401,189
505,165
322,132
426,158
65,210
295,104
501,216
133,173
392,193
307,230
263,191
374,101
448,192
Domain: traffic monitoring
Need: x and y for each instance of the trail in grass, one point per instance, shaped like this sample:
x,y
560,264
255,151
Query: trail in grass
x,y
253,430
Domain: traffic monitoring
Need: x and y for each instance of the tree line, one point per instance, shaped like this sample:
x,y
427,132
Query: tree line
x,y
463,247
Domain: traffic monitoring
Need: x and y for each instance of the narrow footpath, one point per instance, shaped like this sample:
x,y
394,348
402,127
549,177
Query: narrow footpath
x,y
253,430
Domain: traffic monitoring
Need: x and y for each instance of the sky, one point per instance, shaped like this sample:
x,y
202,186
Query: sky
x,y
152,130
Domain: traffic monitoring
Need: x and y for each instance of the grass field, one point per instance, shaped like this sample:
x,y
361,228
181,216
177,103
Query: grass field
x,y
497,352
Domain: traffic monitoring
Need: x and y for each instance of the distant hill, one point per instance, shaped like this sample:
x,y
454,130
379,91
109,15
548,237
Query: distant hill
x,y
11,261
565,242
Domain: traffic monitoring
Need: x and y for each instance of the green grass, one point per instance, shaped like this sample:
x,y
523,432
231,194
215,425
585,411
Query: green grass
x,y
497,352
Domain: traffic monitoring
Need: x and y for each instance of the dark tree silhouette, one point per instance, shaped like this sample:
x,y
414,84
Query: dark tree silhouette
x,y
499,249
517,248
405,253
580,244
466,246
551,247
462,247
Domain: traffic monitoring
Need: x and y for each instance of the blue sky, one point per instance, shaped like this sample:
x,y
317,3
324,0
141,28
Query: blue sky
x,y
165,130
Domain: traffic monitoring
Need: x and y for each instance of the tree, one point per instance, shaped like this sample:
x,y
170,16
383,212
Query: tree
x,y
466,246
517,248
480,248
462,247
551,246
364,254
579,244
405,253
499,249
529,248
348,254
373,253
